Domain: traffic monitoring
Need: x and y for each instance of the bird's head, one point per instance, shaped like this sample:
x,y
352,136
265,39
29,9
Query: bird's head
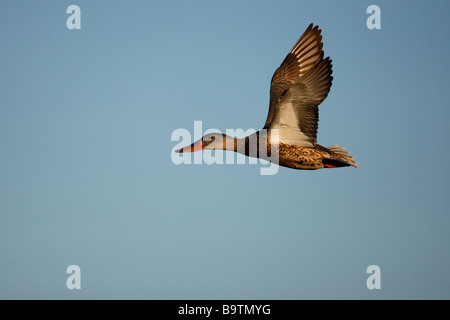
x,y
211,141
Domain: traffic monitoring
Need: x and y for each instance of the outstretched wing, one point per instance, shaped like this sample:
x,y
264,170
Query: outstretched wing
x,y
298,86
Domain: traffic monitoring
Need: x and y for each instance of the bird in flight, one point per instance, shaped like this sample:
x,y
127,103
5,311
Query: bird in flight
x,y
298,87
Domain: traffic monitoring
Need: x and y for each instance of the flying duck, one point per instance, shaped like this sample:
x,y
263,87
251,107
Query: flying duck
x,y
298,87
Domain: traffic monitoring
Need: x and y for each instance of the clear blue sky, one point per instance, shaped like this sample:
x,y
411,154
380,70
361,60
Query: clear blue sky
x,y
86,176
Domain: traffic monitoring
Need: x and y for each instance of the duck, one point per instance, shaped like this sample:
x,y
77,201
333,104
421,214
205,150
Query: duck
x,y
297,88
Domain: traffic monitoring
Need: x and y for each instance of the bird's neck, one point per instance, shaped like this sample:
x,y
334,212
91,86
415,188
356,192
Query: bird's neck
x,y
251,145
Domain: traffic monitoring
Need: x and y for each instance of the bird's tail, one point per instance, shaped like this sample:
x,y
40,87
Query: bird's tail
x,y
339,154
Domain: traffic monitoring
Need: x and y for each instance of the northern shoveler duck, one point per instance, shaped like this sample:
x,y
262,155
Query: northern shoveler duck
x,y
298,86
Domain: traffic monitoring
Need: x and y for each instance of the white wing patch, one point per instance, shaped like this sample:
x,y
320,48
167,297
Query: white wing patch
x,y
286,121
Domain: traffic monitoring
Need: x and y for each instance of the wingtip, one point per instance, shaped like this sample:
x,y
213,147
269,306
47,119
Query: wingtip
x,y
313,27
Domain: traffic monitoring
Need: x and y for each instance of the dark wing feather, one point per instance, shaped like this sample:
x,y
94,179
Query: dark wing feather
x,y
302,57
301,83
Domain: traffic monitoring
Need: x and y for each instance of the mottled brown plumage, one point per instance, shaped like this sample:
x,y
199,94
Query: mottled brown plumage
x,y
298,86
306,158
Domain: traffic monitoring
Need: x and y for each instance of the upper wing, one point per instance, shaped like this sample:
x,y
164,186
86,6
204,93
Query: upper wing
x,y
296,114
298,86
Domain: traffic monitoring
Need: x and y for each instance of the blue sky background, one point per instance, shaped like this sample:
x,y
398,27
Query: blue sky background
x,y
86,176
